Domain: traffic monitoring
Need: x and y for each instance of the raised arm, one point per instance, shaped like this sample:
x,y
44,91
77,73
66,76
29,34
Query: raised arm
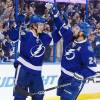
x,y
63,30
13,34
55,15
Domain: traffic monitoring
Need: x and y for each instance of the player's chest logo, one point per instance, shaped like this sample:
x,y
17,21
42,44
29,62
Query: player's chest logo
x,y
70,54
37,51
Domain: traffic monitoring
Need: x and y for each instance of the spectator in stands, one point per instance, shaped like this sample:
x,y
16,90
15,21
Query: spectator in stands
x,y
29,11
6,45
46,15
1,52
77,17
97,42
8,10
2,8
91,38
1,39
97,14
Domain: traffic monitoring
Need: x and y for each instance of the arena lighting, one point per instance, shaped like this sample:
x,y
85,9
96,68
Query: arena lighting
x,y
70,1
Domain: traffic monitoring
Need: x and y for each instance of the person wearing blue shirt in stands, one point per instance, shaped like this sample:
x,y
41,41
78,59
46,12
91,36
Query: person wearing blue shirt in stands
x,y
32,48
77,57
97,45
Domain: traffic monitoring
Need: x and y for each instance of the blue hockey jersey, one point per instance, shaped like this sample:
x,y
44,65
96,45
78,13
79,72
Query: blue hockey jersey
x,y
77,56
32,48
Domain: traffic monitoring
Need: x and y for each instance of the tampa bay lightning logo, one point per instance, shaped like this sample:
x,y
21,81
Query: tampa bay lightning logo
x,y
70,54
37,51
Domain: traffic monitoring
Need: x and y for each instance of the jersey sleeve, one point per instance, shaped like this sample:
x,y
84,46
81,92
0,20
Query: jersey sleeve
x,y
56,37
58,22
63,29
88,57
87,62
45,39
13,34
66,32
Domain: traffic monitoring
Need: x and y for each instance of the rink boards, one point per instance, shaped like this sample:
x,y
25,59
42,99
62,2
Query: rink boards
x,y
50,75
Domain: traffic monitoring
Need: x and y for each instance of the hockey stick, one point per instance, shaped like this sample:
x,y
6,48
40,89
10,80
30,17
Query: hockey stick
x,y
19,89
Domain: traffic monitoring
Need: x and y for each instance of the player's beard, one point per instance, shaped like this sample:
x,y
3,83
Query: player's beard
x,y
75,37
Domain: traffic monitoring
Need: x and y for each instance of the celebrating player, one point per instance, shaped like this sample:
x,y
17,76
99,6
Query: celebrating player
x,y
32,49
77,57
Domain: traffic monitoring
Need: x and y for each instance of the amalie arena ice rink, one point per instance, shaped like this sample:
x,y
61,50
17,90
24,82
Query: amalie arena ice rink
x,y
50,75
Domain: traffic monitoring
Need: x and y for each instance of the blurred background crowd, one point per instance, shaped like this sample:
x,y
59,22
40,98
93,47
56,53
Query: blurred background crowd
x,y
73,13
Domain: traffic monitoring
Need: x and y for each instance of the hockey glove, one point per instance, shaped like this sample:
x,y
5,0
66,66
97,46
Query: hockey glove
x,y
49,6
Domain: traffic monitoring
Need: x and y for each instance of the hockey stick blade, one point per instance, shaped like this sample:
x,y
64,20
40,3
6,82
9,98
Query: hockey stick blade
x,y
22,91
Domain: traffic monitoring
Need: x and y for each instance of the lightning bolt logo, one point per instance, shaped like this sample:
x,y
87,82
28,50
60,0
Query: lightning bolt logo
x,y
38,52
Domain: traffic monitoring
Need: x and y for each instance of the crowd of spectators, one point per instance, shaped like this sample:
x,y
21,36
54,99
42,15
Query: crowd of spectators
x,y
71,13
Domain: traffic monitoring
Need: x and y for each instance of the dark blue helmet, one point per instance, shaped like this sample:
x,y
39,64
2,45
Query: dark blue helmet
x,y
37,19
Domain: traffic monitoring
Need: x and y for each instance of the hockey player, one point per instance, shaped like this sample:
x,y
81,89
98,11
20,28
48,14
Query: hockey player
x,y
77,57
32,49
